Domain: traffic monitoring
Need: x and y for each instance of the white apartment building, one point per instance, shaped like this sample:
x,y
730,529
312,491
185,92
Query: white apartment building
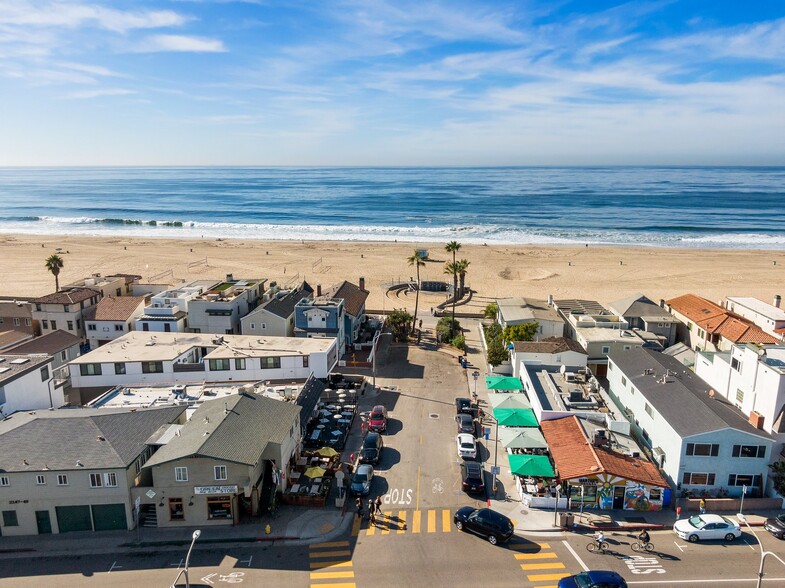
x,y
219,309
769,317
112,318
26,383
167,311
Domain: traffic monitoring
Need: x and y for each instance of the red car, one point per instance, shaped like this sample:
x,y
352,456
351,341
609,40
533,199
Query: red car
x,y
377,421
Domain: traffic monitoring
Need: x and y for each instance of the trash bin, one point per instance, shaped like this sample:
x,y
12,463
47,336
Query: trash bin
x,y
566,519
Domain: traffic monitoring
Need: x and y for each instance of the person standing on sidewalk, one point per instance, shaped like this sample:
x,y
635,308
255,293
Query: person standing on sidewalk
x,y
703,506
371,513
359,504
378,505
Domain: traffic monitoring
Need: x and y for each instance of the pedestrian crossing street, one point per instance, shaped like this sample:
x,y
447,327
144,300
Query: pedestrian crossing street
x,y
331,565
539,562
402,522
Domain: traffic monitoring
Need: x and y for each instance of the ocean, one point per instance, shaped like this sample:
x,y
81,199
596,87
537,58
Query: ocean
x,y
723,207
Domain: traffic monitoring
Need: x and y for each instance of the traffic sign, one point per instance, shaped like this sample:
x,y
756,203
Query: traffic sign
x,y
476,375
495,470
487,432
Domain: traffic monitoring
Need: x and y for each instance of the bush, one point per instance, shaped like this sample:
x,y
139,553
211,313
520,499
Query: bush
x,y
443,328
399,321
524,332
497,352
459,342
491,311
492,332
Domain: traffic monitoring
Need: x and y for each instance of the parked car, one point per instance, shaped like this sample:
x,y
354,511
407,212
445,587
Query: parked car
x,y
705,527
462,405
467,446
361,481
487,523
377,421
776,526
371,451
466,424
593,579
472,477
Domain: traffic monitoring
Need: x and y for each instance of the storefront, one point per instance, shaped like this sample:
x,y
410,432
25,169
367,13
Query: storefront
x,y
606,491
220,501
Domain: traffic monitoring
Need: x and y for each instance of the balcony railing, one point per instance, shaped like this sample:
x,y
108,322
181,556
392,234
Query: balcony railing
x,y
188,367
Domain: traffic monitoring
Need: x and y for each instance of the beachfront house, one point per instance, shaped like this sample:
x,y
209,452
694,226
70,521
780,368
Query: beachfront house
x,y
354,297
706,326
701,441
112,318
167,311
644,314
751,377
17,315
550,351
769,317
321,316
219,309
223,466
64,310
114,285
26,384
61,348
600,335
275,317
519,311
72,470
604,469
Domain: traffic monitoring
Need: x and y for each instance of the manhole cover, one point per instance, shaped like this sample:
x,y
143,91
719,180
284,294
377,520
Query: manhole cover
x,y
433,415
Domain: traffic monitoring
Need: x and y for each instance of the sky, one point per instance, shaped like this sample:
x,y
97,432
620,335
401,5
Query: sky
x,y
389,83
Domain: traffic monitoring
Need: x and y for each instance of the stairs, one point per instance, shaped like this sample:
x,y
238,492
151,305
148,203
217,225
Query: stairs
x,y
148,516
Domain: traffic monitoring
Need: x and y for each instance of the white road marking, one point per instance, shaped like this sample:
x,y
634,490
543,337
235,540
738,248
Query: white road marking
x,y
706,581
208,579
575,555
749,545
679,546
248,561
114,567
179,564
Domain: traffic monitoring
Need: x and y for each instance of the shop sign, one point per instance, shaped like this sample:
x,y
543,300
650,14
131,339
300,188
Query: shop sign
x,y
215,489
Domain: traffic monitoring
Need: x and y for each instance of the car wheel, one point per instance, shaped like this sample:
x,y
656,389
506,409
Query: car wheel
x,y
492,539
730,537
693,538
459,525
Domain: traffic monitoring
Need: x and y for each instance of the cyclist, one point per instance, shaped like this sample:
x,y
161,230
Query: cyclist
x,y
643,538
600,539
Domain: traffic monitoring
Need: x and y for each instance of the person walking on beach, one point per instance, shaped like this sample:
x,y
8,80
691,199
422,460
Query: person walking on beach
x,y
378,505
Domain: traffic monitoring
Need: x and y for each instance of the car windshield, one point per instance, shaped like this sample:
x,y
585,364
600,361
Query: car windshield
x,y
781,518
377,414
467,445
583,580
697,522
360,479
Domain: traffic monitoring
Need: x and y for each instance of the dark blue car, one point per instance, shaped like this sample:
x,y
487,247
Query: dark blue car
x,y
594,579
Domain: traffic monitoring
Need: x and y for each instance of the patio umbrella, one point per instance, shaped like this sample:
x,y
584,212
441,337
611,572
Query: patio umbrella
x,y
314,472
503,400
531,465
327,452
515,417
503,383
337,433
522,438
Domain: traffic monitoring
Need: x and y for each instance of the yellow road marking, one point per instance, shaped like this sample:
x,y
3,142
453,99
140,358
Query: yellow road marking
x,y
401,522
386,528
545,555
371,530
330,544
555,565
318,565
544,577
339,585
416,516
446,527
529,546
431,521
356,526
342,553
331,575
417,494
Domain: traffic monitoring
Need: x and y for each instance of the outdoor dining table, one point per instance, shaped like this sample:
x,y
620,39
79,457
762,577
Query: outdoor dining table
x,y
344,421
295,488
302,461
294,476
347,413
315,489
320,426
350,406
315,434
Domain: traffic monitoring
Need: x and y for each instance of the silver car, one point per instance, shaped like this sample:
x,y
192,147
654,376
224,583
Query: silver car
x,y
705,527
361,481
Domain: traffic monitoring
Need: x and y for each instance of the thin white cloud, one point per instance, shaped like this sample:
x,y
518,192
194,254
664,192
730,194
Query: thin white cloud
x,y
758,41
179,43
99,93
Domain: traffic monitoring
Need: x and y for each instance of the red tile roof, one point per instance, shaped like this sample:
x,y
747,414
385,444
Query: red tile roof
x,y
576,457
717,321
694,307
114,308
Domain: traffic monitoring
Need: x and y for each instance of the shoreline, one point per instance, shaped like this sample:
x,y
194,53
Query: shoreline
x,y
599,272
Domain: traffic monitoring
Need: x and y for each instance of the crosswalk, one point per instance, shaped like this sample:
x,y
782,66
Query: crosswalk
x,y
402,522
539,562
331,565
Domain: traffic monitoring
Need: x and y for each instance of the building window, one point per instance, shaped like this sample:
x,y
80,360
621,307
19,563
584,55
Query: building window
x,y
91,327
78,324
703,449
167,328
219,507
62,479
27,322
45,373
264,326
5,481
647,408
54,325
220,472
239,363
40,480
110,479
655,494
9,518
145,326
118,328
606,349
66,308
176,512
96,481
735,364
739,397
118,292
16,322
45,324
623,381
744,480
90,369
697,479
217,365
749,451
152,367
70,325
119,368
270,363
64,356
180,474
305,361
253,326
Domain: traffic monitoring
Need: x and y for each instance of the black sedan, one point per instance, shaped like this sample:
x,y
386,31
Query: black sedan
x,y
487,523
593,579
472,476
776,526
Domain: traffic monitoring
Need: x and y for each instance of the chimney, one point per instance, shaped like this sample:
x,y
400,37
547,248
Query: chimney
x,y
362,283
777,300
756,419
318,290
229,278
662,303
550,299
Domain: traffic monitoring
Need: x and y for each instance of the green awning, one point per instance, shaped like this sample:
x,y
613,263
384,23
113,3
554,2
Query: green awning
x,y
515,417
503,383
502,400
531,465
522,438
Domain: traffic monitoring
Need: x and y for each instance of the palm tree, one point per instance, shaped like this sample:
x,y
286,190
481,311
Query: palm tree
x,y
453,247
417,262
54,263
461,267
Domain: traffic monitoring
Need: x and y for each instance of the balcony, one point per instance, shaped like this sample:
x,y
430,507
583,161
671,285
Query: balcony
x,y
188,367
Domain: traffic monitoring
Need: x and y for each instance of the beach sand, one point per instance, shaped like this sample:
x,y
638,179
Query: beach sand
x,y
595,272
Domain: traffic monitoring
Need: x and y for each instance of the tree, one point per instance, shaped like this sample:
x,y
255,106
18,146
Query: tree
x,y
524,332
461,267
492,332
417,262
491,311
399,324
778,476
446,327
453,247
459,341
497,352
54,263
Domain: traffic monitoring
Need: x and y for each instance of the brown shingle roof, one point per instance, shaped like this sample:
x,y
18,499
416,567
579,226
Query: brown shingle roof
x,y
576,457
353,297
10,338
549,345
67,296
50,343
114,308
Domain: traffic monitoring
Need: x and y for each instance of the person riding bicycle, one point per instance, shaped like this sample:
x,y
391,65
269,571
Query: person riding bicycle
x,y
599,538
643,537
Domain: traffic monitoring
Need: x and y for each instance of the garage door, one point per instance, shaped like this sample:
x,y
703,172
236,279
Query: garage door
x,y
108,517
74,518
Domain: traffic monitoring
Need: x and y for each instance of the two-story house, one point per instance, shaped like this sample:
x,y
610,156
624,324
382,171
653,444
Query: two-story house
x,y
17,315
26,384
112,318
354,298
64,310
644,314
219,309
114,285
72,470
550,351
167,311
61,348
275,318
769,317
321,317
519,311
600,335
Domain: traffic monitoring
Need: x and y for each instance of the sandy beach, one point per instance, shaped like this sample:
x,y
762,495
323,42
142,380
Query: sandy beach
x,y
596,272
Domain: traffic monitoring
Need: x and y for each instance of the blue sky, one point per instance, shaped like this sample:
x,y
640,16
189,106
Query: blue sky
x,y
376,82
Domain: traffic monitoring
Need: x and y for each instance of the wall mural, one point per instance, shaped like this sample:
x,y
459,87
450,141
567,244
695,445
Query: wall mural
x,y
636,497
605,484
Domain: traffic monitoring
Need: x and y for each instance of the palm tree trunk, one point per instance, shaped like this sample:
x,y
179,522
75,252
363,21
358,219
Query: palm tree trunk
x,y
57,283
454,295
416,299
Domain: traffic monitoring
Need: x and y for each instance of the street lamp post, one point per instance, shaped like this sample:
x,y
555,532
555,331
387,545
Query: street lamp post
x,y
184,571
495,455
556,507
743,494
763,554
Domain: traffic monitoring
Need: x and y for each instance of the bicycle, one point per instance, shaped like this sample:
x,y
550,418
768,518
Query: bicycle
x,y
640,546
598,546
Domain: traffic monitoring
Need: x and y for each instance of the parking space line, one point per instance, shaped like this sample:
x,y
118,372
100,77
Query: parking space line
x,y
331,575
401,522
546,555
749,545
446,524
679,546
114,567
555,565
431,521
416,516
575,555
179,564
248,561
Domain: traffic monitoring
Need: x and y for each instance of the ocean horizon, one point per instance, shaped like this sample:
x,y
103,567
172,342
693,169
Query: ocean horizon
x,y
696,206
